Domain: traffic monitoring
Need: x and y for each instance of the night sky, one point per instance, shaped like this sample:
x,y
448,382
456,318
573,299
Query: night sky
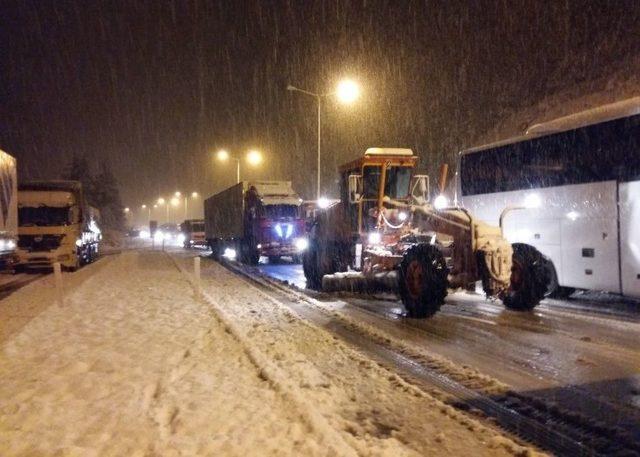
x,y
153,87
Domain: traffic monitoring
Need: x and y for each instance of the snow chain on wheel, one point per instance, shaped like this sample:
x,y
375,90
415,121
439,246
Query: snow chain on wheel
x,y
423,280
530,278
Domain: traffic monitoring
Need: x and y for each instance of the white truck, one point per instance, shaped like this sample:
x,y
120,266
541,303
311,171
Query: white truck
x,y
8,210
56,225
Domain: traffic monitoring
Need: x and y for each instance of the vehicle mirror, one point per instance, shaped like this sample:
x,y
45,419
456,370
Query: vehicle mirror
x,y
355,188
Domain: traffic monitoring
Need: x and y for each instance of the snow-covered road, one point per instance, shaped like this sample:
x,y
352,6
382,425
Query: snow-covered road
x,y
135,364
582,354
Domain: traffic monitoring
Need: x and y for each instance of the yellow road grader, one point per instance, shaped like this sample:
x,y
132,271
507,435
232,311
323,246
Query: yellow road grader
x,y
385,234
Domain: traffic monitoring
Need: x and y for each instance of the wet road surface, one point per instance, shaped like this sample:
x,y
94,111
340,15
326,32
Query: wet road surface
x,y
582,353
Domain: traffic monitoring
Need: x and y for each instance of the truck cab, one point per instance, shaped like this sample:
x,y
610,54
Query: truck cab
x,y
54,225
193,233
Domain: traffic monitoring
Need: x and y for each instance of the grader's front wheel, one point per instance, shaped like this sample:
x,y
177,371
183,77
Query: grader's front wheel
x,y
423,280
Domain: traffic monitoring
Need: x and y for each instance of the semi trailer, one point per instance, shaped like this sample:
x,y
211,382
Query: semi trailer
x,y
8,210
254,219
56,225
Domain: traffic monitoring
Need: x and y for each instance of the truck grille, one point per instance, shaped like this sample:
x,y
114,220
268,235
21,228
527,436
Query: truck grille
x,y
37,243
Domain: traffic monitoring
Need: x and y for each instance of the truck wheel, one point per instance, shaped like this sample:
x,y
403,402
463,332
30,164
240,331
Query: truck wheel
x,y
423,280
249,254
310,267
215,247
530,278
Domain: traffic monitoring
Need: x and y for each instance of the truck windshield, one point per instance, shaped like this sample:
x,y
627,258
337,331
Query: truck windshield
x,y
276,211
43,216
396,186
197,227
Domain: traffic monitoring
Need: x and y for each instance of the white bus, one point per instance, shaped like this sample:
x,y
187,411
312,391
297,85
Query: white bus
x,y
574,188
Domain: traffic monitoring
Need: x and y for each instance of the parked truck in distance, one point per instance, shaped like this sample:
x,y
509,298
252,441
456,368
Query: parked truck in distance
x,y
56,225
253,219
8,210
193,233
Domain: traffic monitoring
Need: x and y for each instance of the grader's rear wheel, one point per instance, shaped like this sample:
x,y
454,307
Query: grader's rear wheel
x,y
423,280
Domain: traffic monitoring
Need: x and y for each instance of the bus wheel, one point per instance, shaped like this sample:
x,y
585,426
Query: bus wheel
x,y
423,280
530,278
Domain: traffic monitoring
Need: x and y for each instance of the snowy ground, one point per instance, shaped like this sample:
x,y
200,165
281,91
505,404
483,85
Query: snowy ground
x,y
134,363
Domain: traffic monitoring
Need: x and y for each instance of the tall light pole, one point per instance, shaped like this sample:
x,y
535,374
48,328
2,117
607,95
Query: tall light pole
x,y
347,92
253,157
148,208
175,202
161,202
194,195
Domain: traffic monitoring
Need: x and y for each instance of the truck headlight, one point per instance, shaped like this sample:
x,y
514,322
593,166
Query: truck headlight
x,y
11,244
374,238
181,238
302,244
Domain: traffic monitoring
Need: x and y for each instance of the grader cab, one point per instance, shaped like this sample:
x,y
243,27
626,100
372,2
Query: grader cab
x,y
385,234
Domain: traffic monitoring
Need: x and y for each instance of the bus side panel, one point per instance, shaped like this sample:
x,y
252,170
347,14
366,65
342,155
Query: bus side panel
x,y
630,237
570,218
590,237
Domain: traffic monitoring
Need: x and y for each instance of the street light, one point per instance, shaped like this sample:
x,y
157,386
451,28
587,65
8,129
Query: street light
x,y
177,194
347,92
253,157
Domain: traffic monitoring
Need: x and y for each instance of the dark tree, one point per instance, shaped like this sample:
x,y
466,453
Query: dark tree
x,y
79,169
100,190
106,196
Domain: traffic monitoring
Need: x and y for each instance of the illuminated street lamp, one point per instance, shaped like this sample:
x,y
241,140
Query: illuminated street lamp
x,y
346,92
177,194
253,158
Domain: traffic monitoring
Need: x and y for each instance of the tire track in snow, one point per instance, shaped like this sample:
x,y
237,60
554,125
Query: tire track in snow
x,y
277,377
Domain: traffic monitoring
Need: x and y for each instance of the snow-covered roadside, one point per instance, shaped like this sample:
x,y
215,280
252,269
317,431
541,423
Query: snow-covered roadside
x,y
371,409
133,365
